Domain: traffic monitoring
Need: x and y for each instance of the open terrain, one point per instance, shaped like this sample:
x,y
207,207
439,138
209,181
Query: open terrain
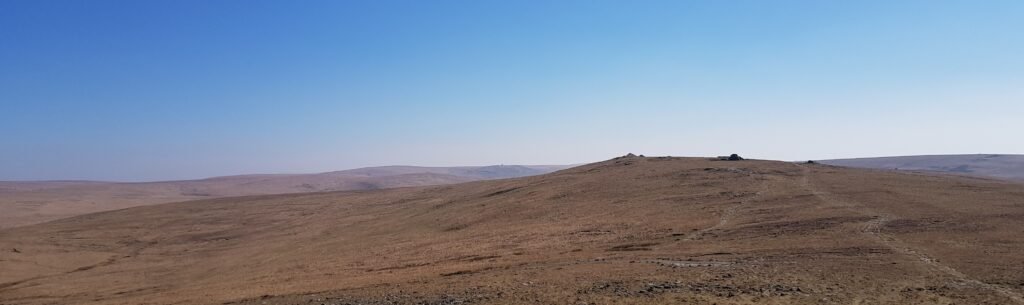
x,y
23,203
982,165
630,230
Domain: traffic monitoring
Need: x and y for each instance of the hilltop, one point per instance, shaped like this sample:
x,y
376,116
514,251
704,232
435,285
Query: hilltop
x,y
629,230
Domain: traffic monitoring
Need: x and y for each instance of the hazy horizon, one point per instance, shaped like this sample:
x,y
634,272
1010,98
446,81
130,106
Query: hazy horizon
x,y
447,166
290,173
147,91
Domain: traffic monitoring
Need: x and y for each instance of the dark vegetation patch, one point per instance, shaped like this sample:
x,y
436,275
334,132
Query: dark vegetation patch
x,y
466,272
929,224
633,247
792,253
796,227
456,227
473,258
472,296
461,272
406,266
641,289
593,232
502,191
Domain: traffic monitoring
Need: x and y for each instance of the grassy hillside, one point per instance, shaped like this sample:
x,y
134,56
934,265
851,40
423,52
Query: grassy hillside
x,y
23,203
625,231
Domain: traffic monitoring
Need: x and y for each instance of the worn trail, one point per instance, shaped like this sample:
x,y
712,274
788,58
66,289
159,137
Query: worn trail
x,y
873,228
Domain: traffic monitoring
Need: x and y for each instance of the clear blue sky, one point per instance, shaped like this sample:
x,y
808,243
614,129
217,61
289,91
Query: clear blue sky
x,y
151,90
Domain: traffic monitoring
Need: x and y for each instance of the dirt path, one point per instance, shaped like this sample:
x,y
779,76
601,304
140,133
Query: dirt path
x,y
730,212
873,227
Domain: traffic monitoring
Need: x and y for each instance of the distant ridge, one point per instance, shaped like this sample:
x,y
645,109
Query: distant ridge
x,y
1002,166
30,202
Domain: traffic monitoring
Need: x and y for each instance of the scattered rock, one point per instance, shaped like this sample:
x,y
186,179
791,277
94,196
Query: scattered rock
x,y
732,157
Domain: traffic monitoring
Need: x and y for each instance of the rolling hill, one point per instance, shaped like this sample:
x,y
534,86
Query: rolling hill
x,y
23,203
994,166
630,230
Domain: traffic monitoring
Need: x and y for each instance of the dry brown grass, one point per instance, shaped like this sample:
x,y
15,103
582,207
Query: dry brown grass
x,y
25,203
624,231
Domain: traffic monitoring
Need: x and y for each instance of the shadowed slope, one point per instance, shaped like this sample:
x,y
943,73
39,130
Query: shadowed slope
x,y
629,230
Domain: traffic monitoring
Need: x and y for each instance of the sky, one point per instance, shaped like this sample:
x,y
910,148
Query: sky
x,y
160,89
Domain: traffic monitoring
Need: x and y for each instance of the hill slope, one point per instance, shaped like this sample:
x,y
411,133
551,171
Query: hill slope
x,y
625,231
995,166
23,203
